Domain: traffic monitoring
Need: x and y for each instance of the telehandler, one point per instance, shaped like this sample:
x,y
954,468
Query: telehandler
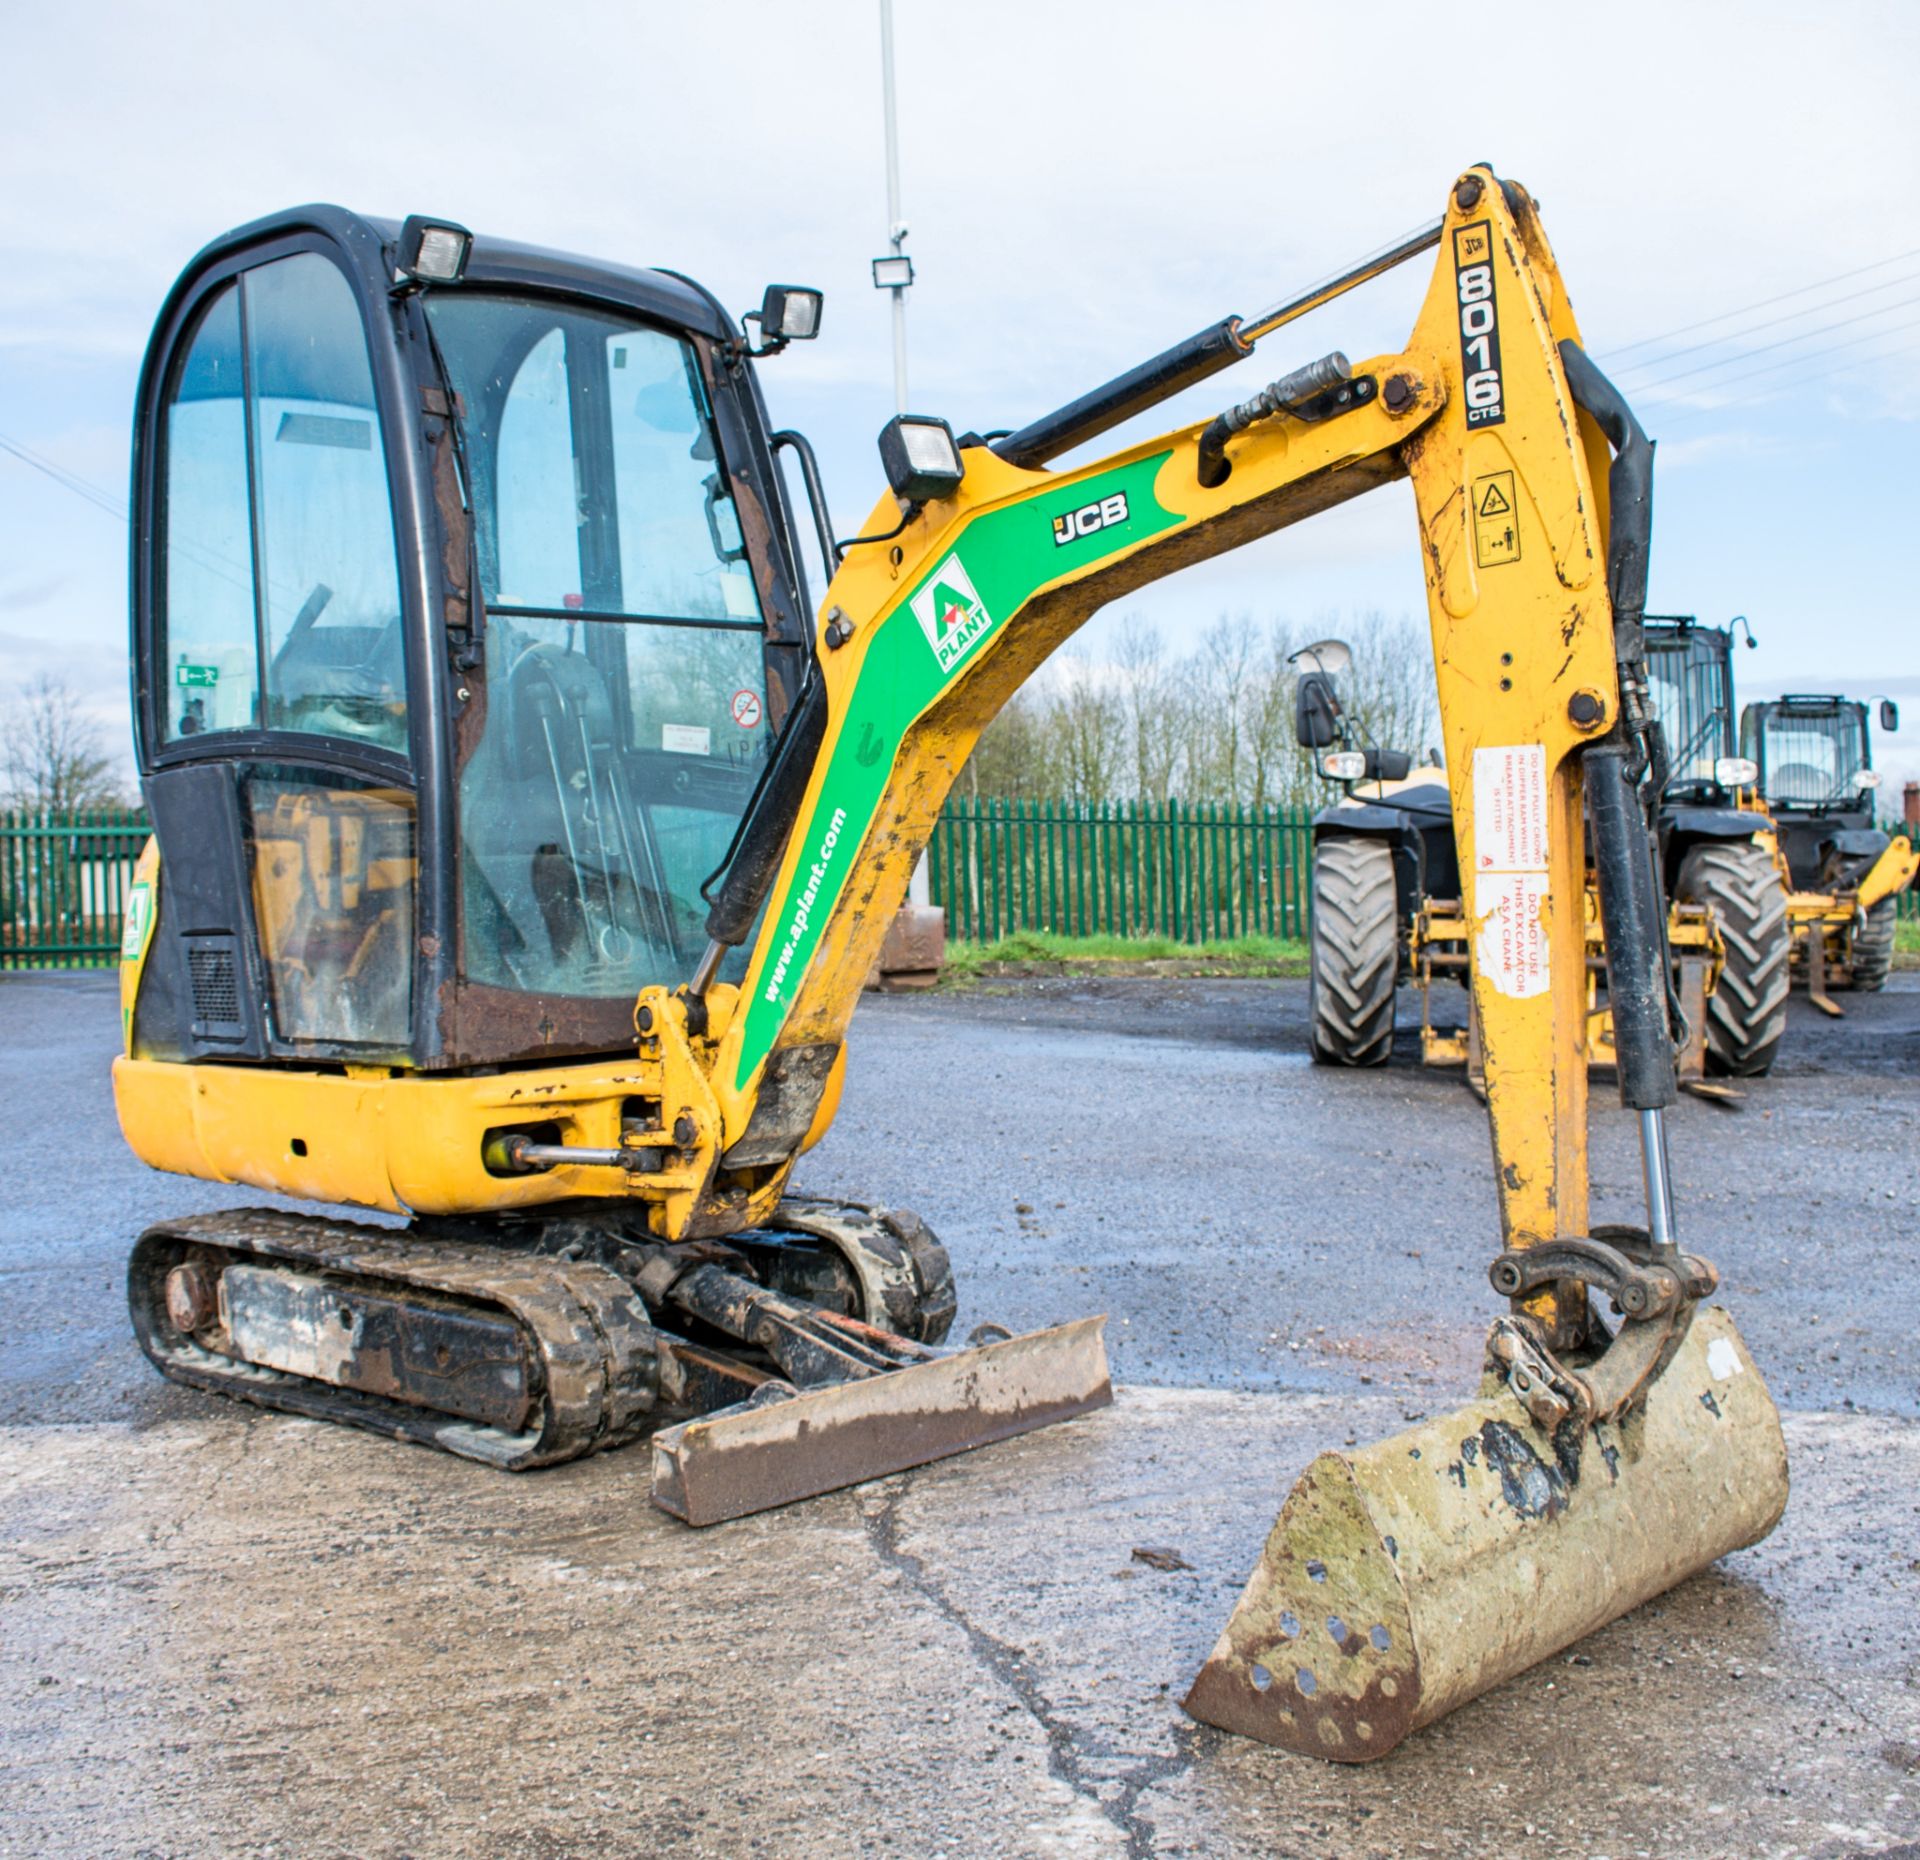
x,y
523,842
1386,885
1842,873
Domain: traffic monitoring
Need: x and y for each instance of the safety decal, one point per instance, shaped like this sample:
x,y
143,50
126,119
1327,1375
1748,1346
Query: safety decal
x,y
1510,808
1510,886
1510,945
1479,324
1496,520
746,708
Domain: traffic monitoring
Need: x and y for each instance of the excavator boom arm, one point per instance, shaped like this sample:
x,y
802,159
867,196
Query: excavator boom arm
x,y
940,624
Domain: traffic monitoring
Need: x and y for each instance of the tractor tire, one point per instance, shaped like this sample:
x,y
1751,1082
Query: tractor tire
x,y
1872,949
1356,952
1747,1012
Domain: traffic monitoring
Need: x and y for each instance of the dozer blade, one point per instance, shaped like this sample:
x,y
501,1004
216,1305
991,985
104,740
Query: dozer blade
x,y
1409,1577
756,1456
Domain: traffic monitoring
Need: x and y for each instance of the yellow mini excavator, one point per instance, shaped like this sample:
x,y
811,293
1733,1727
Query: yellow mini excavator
x,y
523,840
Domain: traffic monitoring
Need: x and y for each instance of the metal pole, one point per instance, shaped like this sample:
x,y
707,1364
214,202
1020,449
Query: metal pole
x,y
917,887
896,226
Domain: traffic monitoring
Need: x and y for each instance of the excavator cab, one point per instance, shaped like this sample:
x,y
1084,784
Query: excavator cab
x,y
465,613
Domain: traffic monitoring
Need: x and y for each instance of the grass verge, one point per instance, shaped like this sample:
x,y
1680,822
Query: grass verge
x,y
1039,952
1906,943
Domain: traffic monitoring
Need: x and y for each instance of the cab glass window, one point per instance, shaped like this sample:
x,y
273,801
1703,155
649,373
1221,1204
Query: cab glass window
x,y
625,682
281,588
328,577
211,665
1810,759
333,881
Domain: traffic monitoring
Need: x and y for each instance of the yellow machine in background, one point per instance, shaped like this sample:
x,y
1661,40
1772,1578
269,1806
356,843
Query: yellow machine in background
x,y
1812,759
602,1243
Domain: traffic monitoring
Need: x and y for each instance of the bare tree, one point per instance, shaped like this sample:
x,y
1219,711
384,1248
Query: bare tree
x,y
1157,706
1086,725
50,752
1215,725
1014,759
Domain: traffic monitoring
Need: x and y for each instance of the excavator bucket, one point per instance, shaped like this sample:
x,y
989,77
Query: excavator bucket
x,y
1404,1579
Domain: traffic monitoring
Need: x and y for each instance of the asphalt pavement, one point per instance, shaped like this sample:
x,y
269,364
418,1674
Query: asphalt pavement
x,y
227,1632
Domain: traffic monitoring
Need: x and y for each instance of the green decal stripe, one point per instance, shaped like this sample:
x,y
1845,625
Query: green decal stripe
x,y
1009,555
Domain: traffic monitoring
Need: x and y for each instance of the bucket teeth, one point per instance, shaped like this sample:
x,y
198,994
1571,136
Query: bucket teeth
x,y
1404,1579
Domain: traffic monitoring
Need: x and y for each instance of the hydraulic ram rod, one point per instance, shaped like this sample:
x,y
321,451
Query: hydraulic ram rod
x,y
1206,353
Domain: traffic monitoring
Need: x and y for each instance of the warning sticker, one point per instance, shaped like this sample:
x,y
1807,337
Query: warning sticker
x,y
746,708
686,739
1496,522
1510,867
1510,945
1510,808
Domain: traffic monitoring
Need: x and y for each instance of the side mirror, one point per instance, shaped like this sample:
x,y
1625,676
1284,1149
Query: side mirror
x,y
1889,715
1390,764
1316,712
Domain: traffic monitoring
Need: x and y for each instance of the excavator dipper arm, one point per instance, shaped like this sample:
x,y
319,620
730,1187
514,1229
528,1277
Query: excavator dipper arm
x,y
1594,1471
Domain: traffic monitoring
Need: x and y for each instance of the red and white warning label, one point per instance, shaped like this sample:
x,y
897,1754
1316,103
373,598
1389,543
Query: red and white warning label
x,y
1510,808
1510,944
746,708
1510,867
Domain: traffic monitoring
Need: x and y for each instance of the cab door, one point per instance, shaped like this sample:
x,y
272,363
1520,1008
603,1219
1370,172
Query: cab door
x,y
272,666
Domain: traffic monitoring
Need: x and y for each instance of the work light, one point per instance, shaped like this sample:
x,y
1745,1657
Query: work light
x,y
433,251
1343,764
920,458
1736,772
790,313
892,274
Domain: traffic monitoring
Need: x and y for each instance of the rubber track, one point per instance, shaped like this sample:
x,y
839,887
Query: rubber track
x,y
587,1329
1356,952
1747,1012
1872,950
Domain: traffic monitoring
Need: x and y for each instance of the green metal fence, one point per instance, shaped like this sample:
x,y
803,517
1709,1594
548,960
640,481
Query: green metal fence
x,y
64,880
1195,874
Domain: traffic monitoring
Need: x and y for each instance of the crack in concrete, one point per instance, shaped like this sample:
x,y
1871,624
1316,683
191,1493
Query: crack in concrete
x,y
1068,1754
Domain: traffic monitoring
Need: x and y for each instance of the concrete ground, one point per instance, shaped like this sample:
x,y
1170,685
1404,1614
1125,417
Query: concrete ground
x,y
226,1632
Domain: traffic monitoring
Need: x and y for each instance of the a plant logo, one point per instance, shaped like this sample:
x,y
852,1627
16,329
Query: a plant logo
x,y
950,614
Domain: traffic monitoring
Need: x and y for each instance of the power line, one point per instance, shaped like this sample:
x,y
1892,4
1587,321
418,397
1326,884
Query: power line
x,y
1839,368
1713,342
1806,335
68,481
1713,387
1765,303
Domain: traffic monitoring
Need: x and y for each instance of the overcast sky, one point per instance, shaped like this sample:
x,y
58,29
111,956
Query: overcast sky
x,y
1085,184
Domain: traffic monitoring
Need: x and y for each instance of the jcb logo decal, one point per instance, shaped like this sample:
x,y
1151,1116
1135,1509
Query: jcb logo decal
x,y
1479,324
1075,524
951,614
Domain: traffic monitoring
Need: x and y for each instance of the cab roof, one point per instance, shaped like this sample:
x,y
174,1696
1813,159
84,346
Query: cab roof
x,y
370,243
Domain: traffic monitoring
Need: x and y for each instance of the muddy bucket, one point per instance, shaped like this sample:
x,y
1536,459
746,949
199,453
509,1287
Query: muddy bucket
x,y
1408,1577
